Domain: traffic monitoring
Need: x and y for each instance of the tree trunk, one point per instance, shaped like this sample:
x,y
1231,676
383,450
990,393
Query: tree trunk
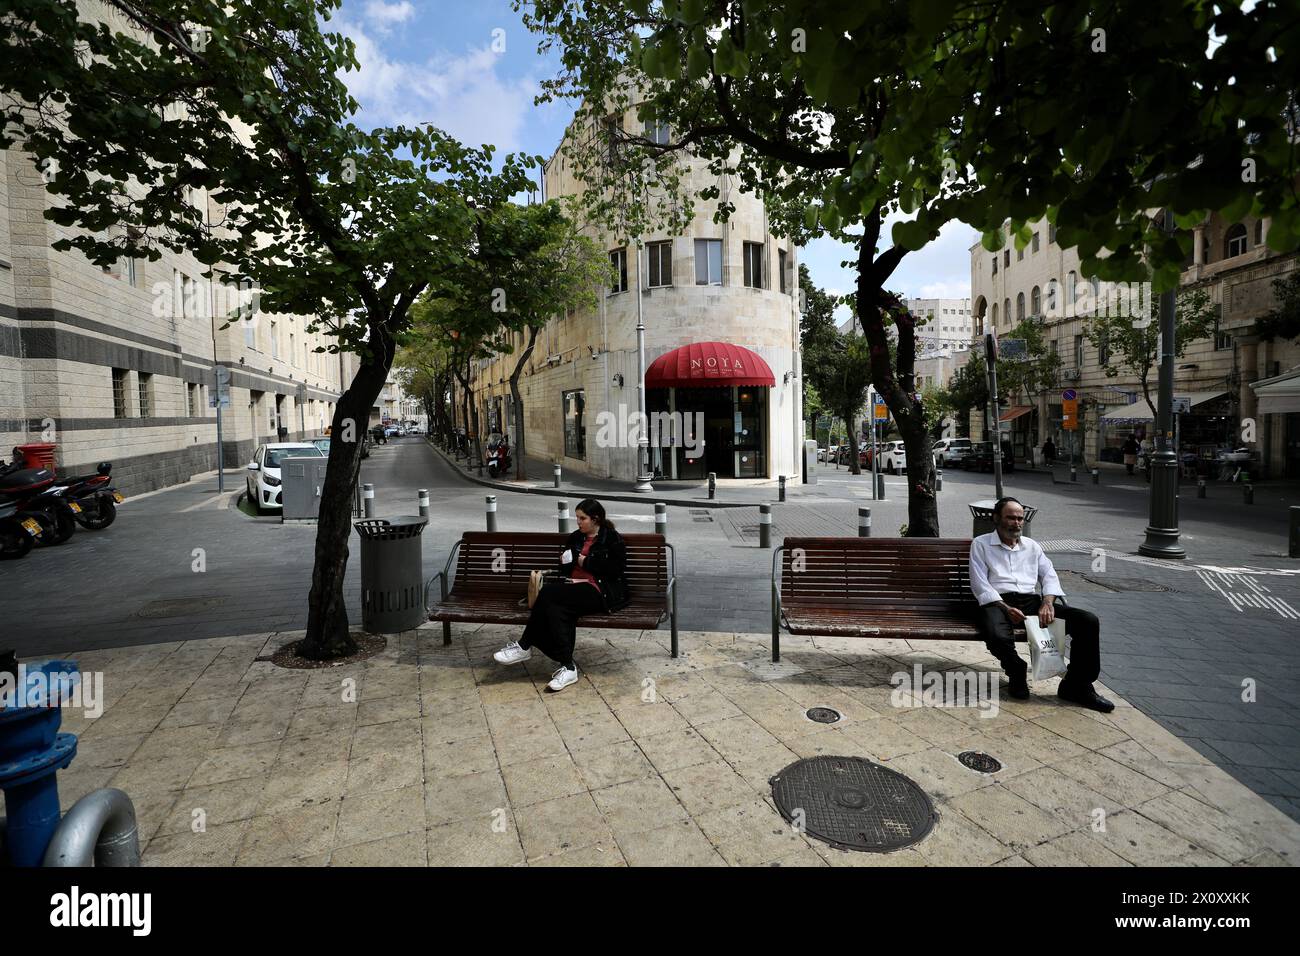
x,y
517,400
855,467
327,616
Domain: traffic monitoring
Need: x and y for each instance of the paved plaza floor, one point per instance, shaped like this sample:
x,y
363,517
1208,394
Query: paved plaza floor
x,y
433,755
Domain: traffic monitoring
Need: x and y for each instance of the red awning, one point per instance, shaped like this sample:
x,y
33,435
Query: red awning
x,y
1014,412
708,363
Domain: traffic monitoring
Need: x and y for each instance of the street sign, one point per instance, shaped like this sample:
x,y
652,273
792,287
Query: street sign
x,y
1070,410
880,408
1069,395
1182,406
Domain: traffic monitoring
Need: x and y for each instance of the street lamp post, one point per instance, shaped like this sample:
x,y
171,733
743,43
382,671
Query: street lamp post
x,y
1162,531
643,438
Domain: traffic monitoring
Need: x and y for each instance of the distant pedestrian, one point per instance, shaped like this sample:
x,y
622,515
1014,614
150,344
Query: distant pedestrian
x,y
1130,452
1049,453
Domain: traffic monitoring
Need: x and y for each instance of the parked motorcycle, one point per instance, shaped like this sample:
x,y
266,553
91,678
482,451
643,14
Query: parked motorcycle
x,y
31,491
498,455
18,532
97,498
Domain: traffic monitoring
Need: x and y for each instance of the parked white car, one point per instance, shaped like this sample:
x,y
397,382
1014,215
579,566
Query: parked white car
x,y
951,452
263,480
893,458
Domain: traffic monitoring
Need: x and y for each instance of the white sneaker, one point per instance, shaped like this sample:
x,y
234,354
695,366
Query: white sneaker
x,y
512,653
563,678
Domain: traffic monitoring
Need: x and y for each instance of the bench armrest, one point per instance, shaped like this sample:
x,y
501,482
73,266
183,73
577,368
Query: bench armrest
x,y
443,576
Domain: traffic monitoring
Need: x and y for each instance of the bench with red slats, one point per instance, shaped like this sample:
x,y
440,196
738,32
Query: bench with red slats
x,y
909,588
492,570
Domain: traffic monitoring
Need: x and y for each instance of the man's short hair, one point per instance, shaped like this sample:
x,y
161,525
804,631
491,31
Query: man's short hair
x,y
1002,503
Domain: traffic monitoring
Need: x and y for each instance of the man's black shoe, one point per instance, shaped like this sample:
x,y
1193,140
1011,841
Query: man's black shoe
x,y
1088,698
1018,686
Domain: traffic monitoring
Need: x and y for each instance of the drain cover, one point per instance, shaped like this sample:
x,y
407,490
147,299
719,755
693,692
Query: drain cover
x,y
853,804
823,715
1126,584
977,761
179,607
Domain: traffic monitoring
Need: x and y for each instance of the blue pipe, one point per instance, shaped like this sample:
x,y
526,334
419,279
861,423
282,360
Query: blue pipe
x,y
31,752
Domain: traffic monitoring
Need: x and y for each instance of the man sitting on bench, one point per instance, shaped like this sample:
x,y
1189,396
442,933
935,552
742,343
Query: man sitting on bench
x,y
1005,571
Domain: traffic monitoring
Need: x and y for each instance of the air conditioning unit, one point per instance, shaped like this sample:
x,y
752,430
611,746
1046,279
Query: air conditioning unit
x,y
1072,375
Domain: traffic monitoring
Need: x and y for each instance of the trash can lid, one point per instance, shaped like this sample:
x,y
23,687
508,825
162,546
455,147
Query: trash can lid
x,y
404,526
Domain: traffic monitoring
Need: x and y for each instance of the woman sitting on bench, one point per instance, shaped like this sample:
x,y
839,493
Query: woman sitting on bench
x,y
593,570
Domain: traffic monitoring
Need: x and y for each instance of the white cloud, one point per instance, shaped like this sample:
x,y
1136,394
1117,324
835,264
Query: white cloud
x,y
463,95
383,16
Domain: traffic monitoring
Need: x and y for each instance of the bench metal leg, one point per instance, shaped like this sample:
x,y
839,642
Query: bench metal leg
x,y
674,618
776,629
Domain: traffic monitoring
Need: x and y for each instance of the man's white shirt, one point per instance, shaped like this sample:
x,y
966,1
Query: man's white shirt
x,y
996,569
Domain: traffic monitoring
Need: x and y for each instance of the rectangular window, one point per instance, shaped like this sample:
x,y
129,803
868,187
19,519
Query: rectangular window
x,y
661,263
618,259
782,258
1078,351
1051,234
754,265
575,427
708,262
1051,346
1020,255
1222,340
119,393
657,132
275,343
192,400
1006,258
995,265
1103,349
1034,242
146,395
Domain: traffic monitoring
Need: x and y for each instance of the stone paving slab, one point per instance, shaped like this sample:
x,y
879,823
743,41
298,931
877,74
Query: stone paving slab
x,y
433,755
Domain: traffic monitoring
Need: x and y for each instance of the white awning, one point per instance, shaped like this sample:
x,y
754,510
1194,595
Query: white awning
x,y
1279,395
1140,412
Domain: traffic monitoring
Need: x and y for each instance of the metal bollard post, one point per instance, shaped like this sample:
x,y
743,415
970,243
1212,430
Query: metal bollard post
x,y
880,487
424,502
781,479
562,513
368,495
1294,550
1248,494
713,484
491,512
1074,473
938,479
1096,476
1200,487
864,522
661,518
765,526
555,473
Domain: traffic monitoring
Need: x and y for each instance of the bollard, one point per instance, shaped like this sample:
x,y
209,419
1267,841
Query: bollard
x,y
562,508
356,501
1096,476
1074,473
555,473
1248,494
880,487
864,522
713,484
1294,550
938,479
661,518
781,479
491,512
368,493
424,502
765,526
1200,487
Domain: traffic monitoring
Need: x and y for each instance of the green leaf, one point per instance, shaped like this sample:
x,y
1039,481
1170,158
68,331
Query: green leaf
x,y
910,235
697,62
993,240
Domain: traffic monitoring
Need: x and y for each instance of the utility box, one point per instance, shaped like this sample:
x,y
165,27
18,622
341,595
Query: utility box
x,y
303,480
810,462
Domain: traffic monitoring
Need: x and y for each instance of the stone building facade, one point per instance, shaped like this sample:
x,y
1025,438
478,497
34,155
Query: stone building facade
x,y
1044,282
731,285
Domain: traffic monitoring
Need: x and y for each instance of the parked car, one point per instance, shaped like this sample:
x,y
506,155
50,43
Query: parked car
x,y
832,453
981,458
893,458
949,452
821,453
263,479
323,444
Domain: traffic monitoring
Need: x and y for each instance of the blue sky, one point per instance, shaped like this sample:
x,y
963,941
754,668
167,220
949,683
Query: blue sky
x,y
442,62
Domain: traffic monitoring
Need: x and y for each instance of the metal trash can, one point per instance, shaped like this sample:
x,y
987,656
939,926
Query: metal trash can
x,y
982,514
392,574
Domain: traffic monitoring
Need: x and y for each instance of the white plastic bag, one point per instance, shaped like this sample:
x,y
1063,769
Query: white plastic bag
x,y
1049,649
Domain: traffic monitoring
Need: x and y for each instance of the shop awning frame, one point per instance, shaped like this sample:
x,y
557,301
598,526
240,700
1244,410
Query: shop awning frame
x,y
1139,412
1014,412
1279,395
709,364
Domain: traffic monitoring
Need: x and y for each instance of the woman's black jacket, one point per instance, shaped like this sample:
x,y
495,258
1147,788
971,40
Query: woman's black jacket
x,y
606,562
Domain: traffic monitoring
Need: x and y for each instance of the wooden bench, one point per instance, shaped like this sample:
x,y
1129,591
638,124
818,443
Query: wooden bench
x,y
909,588
492,570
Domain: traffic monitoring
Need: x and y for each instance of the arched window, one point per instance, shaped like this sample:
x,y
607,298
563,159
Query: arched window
x,y
1035,301
1071,283
1234,241
1020,307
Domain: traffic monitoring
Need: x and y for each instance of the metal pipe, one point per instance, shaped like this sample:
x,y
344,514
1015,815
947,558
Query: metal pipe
x,y
661,518
781,481
765,526
555,473
562,517
99,830
643,438
864,522
938,479
424,502
491,512
368,496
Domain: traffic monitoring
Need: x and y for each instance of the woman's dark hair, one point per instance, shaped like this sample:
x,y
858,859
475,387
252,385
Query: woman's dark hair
x,y
997,505
596,511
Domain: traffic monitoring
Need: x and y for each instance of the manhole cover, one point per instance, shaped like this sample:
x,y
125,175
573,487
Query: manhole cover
x,y
981,763
853,804
1126,584
179,607
823,715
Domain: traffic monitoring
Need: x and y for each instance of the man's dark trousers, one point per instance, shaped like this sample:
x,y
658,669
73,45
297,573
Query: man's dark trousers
x,y
1082,626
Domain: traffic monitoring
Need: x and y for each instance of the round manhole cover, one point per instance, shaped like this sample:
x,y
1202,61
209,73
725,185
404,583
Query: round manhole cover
x,y
853,804
823,715
977,761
